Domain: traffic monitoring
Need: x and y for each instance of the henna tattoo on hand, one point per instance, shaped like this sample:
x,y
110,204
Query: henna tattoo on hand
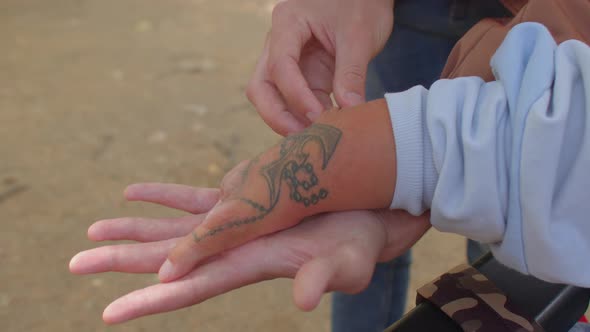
x,y
293,167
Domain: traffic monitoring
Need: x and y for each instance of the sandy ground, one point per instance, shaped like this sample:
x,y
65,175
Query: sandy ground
x,y
95,95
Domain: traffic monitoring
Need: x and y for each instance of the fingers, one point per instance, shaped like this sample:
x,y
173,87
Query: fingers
x,y
353,55
288,36
269,103
359,38
311,282
143,229
317,66
185,198
348,268
228,225
130,258
150,300
240,267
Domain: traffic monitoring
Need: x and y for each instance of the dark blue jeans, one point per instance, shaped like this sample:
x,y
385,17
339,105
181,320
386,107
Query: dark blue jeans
x,y
424,33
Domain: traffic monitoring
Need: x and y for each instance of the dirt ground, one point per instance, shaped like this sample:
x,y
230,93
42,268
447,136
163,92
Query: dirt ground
x,y
95,95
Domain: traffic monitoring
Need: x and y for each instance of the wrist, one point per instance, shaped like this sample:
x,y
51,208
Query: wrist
x,y
402,230
362,170
345,161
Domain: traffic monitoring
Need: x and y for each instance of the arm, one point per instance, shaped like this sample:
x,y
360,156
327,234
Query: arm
x,y
505,162
345,161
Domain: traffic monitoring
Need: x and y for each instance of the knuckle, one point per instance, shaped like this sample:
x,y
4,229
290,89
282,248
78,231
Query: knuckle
x,y
354,72
280,11
113,258
275,125
361,284
358,19
287,22
280,69
251,92
234,179
357,269
225,188
351,254
274,68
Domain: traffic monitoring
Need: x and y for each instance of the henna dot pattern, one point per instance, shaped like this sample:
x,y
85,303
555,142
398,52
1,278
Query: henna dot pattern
x,y
294,167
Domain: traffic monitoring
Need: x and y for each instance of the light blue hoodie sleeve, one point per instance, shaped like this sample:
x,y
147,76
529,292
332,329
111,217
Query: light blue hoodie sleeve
x,y
506,162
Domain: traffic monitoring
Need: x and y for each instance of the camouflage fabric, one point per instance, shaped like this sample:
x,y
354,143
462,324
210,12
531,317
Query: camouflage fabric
x,y
475,303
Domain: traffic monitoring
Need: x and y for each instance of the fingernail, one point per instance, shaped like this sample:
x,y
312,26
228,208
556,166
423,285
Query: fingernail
x,y
353,98
166,271
312,115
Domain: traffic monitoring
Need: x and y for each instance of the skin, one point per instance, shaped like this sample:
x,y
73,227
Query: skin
x,y
313,49
345,161
342,261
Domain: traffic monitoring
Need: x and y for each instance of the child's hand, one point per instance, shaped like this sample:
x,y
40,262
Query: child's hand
x,y
271,192
345,161
334,251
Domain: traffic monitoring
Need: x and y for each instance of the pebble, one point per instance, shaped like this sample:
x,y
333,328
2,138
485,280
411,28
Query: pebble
x,y
97,282
89,304
74,22
143,26
9,180
207,64
192,65
196,108
6,92
157,137
5,300
214,169
38,109
197,127
117,75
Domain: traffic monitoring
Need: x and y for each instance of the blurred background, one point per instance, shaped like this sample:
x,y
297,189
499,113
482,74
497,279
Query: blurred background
x,y
95,95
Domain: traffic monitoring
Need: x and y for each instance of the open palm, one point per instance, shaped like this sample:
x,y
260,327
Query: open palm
x,y
335,251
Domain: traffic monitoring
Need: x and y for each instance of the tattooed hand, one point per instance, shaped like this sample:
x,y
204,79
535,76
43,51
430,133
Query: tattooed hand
x,y
271,192
345,161
334,251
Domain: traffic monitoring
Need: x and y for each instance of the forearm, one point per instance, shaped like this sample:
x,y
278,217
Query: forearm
x,y
362,172
345,161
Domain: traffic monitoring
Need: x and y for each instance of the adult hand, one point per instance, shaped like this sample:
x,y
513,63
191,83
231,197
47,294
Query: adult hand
x,y
335,251
315,48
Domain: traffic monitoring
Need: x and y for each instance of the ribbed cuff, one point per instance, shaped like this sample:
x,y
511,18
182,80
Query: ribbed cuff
x,y
406,110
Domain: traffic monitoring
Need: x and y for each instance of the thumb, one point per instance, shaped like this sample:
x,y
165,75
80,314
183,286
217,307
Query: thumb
x,y
311,282
352,59
347,268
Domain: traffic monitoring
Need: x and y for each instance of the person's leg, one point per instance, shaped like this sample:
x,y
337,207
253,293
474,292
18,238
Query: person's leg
x,y
415,54
381,304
